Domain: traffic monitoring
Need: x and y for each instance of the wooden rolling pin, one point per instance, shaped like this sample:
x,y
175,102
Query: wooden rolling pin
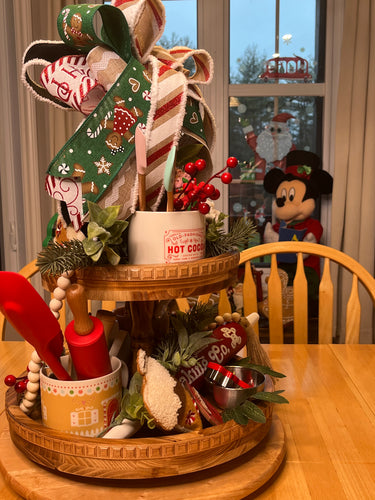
x,y
85,338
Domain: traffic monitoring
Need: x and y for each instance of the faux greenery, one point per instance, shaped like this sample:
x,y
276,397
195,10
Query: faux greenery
x,y
219,242
132,406
186,338
104,233
248,410
56,258
103,245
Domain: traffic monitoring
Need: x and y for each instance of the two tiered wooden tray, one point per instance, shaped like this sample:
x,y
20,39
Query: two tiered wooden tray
x,y
229,450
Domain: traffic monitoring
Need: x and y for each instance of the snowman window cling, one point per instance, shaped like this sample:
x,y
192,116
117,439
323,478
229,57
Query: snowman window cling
x,y
296,191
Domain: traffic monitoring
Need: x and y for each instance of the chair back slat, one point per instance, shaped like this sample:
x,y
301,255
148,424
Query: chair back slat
x,y
325,323
204,298
249,292
108,305
224,304
183,304
275,304
353,314
300,303
2,325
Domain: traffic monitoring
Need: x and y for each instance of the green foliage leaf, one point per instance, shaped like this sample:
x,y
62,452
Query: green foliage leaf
x,y
112,256
183,338
243,413
132,405
104,217
93,248
271,397
188,153
266,370
96,232
253,412
116,230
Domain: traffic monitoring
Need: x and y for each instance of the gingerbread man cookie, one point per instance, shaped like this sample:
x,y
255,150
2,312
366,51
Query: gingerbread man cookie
x,y
74,31
123,120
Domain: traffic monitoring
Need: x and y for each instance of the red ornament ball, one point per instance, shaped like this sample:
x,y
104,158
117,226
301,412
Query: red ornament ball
x,y
209,189
232,162
226,178
178,204
21,385
10,380
200,164
203,207
215,195
190,168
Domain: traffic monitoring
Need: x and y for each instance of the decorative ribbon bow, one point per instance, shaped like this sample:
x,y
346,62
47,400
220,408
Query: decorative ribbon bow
x,y
118,91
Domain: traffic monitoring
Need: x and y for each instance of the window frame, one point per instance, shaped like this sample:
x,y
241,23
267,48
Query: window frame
x,y
217,94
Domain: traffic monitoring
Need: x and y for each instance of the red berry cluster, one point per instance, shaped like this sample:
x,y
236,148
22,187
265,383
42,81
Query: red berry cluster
x,y
19,383
193,196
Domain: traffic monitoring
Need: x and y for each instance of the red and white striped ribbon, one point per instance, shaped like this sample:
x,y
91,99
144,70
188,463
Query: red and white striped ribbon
x,y
69,79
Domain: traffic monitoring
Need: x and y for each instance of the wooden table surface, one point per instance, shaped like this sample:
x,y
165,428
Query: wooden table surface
x,y
329,423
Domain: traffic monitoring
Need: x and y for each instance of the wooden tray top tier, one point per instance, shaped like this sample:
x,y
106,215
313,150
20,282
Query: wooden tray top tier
x,y
133,458
158,281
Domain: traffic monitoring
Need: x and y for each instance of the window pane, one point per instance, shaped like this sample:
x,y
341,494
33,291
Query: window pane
x,y
181,24
253,41
300,126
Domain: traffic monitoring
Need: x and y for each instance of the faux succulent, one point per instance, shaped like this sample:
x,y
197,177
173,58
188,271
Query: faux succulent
x,y
104,233
186,338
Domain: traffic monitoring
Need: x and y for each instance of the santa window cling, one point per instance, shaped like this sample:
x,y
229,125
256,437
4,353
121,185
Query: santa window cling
x,y
272,145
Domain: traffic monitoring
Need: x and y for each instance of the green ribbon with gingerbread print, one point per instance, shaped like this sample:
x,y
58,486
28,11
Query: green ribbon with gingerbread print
x,y
105,140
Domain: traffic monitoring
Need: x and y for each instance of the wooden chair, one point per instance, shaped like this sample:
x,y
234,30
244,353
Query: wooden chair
x,y
31,270
300,291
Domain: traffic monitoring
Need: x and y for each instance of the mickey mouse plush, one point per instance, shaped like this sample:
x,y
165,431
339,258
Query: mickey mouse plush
x,y
296,192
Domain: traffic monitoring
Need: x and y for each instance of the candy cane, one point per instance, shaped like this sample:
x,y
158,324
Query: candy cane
x,y
99,128
65,24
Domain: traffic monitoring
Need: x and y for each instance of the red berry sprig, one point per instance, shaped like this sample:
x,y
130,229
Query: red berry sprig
x,y
19,383
194,196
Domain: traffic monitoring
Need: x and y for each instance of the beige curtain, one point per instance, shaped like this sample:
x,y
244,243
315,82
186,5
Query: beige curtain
x,y
43,129
353,198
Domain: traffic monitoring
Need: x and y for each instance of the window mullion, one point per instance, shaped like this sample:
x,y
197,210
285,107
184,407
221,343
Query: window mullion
x,y
274,89
213,36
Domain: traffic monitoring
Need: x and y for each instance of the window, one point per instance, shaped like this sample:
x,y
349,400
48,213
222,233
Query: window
x,y
181,24
276,96
296,41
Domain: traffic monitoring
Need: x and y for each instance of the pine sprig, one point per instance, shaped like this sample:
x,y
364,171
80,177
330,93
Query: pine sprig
x,y
219,242
57,258
198,316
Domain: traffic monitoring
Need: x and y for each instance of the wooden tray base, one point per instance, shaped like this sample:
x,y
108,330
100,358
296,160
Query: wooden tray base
x,y
133,458
235,479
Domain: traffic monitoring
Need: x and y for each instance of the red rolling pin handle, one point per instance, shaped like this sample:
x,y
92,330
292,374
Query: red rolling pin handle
x,y
85,338
89,352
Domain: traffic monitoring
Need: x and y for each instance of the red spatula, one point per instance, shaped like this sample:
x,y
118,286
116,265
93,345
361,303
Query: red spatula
x,y
27,312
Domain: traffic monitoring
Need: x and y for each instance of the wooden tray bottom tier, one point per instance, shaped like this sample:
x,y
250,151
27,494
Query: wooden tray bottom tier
x,y
134,458
235,479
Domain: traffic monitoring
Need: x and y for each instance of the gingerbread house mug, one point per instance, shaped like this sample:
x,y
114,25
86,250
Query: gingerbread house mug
x,y
82,407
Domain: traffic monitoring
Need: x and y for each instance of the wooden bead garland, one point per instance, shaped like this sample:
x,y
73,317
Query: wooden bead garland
x,y
35,364
32,387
